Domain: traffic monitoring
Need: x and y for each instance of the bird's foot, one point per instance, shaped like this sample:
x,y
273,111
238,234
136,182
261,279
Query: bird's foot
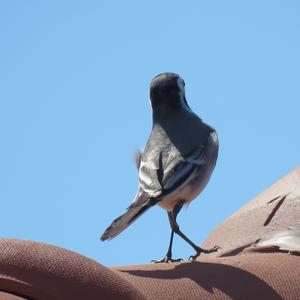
x,y
166,259
206,251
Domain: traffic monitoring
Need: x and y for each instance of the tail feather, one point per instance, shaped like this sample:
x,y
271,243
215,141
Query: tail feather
x,y
122,222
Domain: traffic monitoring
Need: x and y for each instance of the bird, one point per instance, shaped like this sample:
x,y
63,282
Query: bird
x,y
176,163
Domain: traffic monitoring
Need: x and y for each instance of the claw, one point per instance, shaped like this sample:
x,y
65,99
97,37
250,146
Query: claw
x,y
166,259
213,249
206,251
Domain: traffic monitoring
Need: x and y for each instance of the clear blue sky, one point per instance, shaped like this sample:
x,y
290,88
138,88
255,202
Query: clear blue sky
x,y
74,106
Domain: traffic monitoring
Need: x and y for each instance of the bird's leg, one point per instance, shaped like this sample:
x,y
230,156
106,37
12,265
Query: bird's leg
x,y
197,249
168,258
175,228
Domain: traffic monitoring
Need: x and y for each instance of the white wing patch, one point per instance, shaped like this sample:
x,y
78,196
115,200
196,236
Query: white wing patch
x,y
175,171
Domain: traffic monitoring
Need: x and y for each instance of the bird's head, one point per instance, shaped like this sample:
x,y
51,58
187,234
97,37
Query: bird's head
x,y
167,92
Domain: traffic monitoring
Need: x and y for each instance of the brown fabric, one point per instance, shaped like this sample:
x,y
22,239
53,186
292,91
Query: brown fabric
x,y
250,265
6,296
252,276
42,271
275,211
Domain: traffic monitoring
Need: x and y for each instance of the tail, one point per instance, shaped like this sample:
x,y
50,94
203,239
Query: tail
x,y
134,211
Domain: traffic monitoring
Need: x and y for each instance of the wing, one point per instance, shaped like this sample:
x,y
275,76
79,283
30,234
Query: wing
x,y
165,173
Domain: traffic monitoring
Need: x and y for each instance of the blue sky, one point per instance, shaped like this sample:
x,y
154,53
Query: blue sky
x,y
74,107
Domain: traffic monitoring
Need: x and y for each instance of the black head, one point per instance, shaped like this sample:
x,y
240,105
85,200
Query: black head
x,y
167,92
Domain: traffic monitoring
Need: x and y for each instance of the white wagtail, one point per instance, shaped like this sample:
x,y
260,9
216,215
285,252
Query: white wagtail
x,y
176,163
